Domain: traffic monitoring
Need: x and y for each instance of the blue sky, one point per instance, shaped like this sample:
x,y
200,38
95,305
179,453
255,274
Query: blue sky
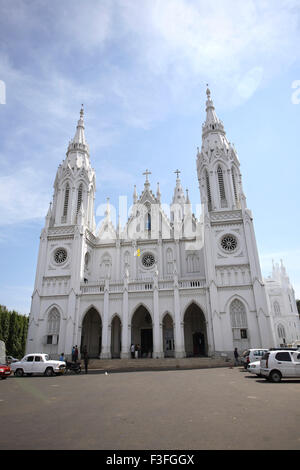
x,y
141,67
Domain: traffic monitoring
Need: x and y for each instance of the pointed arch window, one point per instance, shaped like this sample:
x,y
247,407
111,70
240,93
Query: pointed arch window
x,y
169,261
53,326
234,185
66,201
147,213
221,186
281,332
208,190
238,318
276,308
79,198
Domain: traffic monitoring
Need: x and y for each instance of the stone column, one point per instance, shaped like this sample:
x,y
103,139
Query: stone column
x,y
178,324
106,330
157,340
125,327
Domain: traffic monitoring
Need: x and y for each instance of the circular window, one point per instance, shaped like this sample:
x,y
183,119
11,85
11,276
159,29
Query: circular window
x,y
60,255
148,260
229,243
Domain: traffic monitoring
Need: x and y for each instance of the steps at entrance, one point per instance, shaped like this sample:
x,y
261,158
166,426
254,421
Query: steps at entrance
x,y
156,364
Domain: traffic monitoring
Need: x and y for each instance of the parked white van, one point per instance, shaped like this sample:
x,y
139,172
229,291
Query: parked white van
x,y
279,364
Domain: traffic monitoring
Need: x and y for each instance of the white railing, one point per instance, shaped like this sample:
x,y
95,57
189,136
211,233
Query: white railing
x,y
191,283
142,285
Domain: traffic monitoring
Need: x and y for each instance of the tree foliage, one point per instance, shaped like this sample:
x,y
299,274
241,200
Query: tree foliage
x,y
13,331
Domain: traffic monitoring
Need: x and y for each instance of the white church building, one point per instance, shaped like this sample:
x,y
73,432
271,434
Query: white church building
x,y
176,285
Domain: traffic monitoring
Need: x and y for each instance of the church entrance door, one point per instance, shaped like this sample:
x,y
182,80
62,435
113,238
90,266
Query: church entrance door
x,y
198,344
91,333
141,331
116,338
195,336
146,342
168,336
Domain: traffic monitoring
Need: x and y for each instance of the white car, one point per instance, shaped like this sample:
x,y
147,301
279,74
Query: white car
x,y
252,355
38,364
254,368
279,364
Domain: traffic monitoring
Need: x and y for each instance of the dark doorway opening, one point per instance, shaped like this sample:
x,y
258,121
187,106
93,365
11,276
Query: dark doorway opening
x,y
146,342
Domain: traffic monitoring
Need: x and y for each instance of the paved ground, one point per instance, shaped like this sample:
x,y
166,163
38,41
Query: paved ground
x,y
186,409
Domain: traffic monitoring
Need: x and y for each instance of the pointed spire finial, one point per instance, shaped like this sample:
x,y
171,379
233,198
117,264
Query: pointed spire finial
x,y
134,194
207,92
187,197
158,194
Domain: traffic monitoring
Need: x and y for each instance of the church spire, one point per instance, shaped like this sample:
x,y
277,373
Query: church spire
x,y
178,197
218,165
79,143
79,137
212,124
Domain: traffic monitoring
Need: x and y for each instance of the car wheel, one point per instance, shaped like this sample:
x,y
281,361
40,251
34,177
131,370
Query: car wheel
x,y
275,376
19,373
49,372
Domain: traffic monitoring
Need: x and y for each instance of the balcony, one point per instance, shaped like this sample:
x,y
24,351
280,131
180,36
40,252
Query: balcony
x,y
141,285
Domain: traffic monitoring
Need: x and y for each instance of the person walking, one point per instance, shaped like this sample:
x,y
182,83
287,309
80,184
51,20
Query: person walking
x,y
236,357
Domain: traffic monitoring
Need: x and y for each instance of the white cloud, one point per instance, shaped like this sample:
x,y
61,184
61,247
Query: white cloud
x,y
137,62
23,196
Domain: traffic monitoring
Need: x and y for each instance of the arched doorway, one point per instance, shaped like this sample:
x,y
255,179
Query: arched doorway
x,y
116,337
91,333
195,336
141,331
168,336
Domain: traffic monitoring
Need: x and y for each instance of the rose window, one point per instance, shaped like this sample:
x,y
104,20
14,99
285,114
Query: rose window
x,y
229,243
148,260
60,256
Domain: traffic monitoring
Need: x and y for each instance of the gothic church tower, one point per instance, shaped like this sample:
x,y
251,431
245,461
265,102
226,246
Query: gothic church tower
x,y
61,264
237,296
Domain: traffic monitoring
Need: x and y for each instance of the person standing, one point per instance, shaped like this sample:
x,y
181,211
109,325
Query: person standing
x,y
236,357
132,350
73,354
76,354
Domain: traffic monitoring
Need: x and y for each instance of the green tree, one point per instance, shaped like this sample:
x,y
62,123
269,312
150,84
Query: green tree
x,y
4,323
13,331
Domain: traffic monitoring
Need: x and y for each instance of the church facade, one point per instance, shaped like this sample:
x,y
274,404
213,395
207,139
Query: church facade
x,y
173,284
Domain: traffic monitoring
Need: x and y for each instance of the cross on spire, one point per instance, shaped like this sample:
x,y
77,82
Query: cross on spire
x,y
147,172
178,173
